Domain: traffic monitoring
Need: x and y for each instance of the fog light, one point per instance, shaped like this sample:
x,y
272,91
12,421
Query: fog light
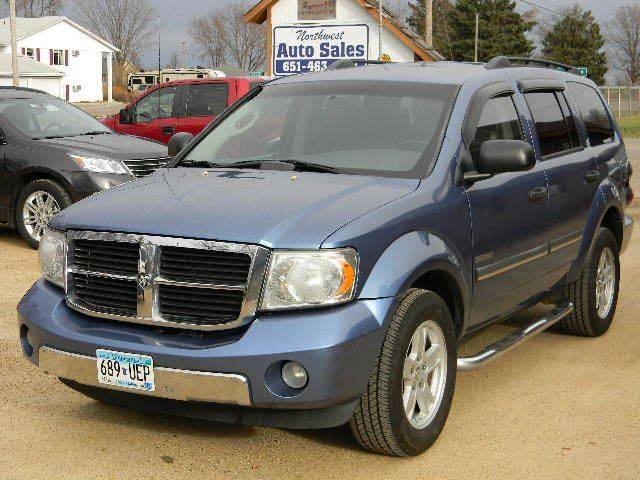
x,y
294,375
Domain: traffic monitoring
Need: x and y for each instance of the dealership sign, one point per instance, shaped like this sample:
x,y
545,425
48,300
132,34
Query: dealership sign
x,y
303,49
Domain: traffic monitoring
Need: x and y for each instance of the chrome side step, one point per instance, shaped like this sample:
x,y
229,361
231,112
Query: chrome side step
x,y
521,335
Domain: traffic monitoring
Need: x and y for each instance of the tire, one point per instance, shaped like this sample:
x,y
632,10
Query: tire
x,y
47,189
586,320
379,422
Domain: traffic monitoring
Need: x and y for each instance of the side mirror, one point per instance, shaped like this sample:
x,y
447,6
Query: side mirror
x,y
126,115
500,156
178,142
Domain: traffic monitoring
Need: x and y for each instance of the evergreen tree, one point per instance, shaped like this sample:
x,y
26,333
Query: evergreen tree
x,y
575,39
442,11
502,30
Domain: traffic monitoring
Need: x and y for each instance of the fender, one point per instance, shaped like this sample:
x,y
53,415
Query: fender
x,y
42,172
411,256
608,196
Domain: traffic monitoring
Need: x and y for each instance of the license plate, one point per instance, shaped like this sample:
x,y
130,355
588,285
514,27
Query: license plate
x,y
127,370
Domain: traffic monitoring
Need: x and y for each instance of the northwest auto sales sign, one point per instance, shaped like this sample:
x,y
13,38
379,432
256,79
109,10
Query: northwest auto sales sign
x,y
303,49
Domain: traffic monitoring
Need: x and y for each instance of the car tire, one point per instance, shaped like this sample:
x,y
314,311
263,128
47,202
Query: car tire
x,y
595,294
379,422
48,191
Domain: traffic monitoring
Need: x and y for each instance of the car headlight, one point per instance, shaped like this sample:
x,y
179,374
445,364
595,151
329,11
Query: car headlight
x,y
51,252
100,165
309,278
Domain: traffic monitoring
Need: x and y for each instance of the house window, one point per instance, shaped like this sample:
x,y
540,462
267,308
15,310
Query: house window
x,y
30,52
57,57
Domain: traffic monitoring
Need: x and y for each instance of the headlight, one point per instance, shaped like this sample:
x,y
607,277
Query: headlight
x,y
310,278
100,165
51,252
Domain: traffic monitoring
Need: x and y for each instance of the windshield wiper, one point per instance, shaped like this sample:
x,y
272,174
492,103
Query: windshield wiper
x,y
298,165
97,132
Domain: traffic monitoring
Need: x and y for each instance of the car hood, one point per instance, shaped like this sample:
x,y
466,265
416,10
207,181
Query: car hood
x,y
273,208
119,147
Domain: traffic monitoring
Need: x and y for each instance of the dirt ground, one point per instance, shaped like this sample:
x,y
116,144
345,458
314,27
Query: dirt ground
x,y
556,407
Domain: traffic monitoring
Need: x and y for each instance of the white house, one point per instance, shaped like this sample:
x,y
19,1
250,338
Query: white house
x,y
33,74
309,35
68,48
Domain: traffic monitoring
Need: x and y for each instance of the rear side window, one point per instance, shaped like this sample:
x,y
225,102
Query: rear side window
x,y
207,99
595,116
499,121
553,133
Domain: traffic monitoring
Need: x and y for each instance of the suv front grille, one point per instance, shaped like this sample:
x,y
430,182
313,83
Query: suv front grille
x,y
146,166
164,281
204,265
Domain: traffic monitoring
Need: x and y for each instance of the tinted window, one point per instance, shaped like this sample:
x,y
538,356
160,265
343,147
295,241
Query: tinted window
x,y
499,121
553,133
595,116
207,99
569,120
158,104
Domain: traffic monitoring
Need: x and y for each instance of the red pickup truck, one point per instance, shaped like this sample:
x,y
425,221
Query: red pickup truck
x,y
180,106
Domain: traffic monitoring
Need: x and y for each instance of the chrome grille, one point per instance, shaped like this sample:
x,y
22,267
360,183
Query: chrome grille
x,y
170,282
146,166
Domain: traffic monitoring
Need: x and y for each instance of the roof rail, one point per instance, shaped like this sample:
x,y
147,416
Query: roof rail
x,y
349,63
509,62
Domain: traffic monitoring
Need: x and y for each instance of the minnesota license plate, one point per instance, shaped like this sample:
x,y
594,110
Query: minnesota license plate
x,y
127,370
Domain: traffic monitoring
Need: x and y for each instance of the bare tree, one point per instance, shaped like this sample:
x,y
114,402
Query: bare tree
x,y
243,43
624,41
129,25
210,45
174,61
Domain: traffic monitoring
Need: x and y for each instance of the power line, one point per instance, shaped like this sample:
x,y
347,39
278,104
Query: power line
x,y
531,4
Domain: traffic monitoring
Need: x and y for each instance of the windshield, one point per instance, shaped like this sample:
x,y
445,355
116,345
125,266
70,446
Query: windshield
x,y
374,128
47,117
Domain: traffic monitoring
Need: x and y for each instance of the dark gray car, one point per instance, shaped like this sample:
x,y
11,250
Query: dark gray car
x,y
53,154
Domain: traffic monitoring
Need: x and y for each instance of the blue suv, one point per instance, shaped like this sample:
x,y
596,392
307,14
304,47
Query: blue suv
x,y
316,256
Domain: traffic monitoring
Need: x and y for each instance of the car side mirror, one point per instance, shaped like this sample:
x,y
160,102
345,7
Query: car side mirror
x,y
499,156
126,115
178,142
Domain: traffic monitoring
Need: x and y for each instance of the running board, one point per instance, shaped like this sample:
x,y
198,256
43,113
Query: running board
x,y
521,335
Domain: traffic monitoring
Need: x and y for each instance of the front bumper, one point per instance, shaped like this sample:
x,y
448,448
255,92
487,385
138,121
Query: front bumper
x,y
337,346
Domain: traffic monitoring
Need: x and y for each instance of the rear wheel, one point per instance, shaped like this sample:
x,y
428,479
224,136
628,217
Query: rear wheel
x,y
410,390
37,204
595,294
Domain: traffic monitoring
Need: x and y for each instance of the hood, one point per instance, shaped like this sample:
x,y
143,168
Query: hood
x,y
116,146
273,208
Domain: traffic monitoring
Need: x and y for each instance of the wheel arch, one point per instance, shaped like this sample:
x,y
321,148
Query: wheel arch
x,y
25,178
422,260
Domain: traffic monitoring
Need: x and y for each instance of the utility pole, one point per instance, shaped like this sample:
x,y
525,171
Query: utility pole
x,y
380,30
475,58
184,53
428,22
159,66
14,43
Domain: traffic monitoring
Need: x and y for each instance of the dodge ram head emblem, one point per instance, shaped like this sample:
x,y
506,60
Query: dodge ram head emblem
x,y
144,281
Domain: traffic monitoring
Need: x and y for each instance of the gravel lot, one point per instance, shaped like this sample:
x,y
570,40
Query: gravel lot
x,y
556,407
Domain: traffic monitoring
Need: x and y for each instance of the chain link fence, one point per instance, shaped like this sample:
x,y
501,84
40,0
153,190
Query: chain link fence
x,y
624,101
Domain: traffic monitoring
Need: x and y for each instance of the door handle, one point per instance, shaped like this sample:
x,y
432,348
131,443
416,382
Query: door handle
x,y
592,176
168,130
537,193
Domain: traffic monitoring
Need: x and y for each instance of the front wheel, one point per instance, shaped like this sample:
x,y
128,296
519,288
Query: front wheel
x,y
37,204
410,390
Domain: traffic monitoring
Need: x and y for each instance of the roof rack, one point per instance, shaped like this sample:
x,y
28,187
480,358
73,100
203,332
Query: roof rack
x,y
349,63
509,62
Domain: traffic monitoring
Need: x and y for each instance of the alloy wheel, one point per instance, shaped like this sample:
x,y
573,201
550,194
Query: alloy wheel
x,y
39,208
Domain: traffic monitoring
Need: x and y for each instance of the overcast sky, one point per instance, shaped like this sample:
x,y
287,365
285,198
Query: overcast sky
x,y
175,24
